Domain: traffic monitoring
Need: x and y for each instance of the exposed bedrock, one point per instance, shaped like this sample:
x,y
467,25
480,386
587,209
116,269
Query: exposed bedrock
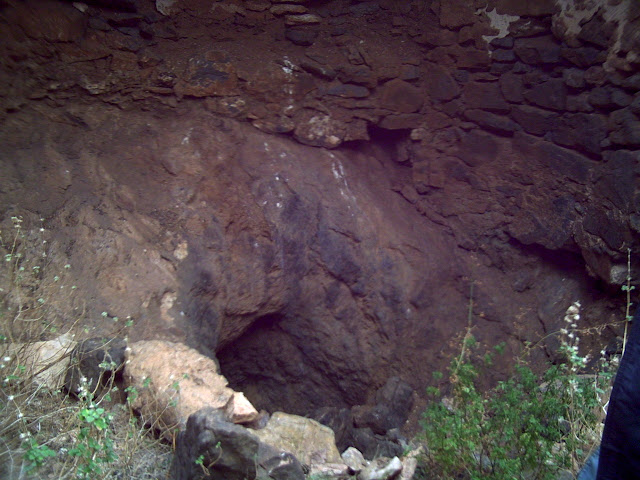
x,y
310,190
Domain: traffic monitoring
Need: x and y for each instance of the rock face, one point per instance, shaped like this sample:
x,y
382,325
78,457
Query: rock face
x,y
167,382
309,192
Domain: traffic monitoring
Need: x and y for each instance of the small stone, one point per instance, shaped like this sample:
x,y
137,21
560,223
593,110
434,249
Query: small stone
x,y
354,459
257,6
596,76
385,472
498,123
287,9
551,94
534,120
503,56
504,42
409,466
511,87
401,121
441,85
584,56
230,451
302,19
486,96
328,470
348,91
300,37
632,82
538,50
574,77
318,70
239,410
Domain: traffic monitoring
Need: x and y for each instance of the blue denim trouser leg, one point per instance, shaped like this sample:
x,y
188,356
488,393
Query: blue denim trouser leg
x,y
620,447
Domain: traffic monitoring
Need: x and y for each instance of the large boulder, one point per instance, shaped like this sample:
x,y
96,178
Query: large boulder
x,y
212,448
308,440
169,381
43,363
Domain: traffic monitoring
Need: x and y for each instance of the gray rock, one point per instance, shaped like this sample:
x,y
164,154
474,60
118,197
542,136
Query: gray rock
x,y
574,77
538,50
354,459
372,445
551,94
496,123
302,37
534,120
626,128
224,451
485,96
302,19
275,464
96,360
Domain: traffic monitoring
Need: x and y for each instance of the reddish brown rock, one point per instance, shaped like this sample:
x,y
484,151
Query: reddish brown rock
x,y
455,15
496,123
401,121
486,96
551,94
538,50
441,85
534,120
400,96
204,78
527,8
49,20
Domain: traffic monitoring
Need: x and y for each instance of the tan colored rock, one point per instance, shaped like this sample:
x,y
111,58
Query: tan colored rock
x,y
329,470
304,19
309,441
45,363
240,410
381,469
409,466
354,459
287,9
172,381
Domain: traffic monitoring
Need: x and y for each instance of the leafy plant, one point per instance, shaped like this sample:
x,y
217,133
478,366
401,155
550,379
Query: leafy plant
x,y
44,433
528,426
36,454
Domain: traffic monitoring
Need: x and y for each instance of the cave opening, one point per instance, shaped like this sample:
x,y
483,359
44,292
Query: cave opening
x,y
280,368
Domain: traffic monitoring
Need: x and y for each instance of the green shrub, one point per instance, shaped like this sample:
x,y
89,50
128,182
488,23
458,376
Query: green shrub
x,y
529,426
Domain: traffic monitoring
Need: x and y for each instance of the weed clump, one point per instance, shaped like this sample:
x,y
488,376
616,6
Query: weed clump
x,y
530,426
45,433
